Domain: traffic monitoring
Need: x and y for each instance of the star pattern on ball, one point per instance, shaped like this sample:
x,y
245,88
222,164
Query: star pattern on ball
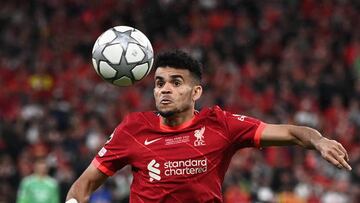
x,y
123,59
123,38
148,52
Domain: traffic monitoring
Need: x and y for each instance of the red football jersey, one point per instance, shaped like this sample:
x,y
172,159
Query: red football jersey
x,y
182,164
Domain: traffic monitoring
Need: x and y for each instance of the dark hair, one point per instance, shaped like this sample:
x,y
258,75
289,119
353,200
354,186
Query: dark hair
x,y
179,60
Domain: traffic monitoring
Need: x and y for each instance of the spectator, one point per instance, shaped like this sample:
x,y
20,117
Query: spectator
x,y
38,187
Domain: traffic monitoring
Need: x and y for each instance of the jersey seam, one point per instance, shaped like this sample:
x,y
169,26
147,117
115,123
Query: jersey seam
x,y
132,137
142,115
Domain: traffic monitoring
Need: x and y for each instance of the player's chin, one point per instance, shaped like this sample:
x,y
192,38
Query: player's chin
x,y
167,114
166,111
165,107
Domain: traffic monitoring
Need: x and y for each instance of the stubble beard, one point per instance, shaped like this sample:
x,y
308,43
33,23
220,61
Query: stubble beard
x,y
167,114
171,113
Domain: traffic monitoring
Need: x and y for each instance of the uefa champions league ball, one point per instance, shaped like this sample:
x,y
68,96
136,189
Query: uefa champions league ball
x,y
122,55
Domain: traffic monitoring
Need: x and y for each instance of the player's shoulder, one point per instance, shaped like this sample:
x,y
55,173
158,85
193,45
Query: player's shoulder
x,y
137,119
219,114
141,116
213,116
214,111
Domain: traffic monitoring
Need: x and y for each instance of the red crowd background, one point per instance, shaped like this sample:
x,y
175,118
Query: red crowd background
x,y
278,60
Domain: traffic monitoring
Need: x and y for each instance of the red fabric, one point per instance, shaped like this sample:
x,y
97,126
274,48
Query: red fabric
x,y
258,134
182,164
102,168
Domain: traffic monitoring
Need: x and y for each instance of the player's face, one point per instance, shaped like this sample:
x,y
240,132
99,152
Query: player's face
x,y
175,91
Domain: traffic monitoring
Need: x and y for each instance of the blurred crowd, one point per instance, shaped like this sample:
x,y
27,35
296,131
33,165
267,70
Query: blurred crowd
x,y
282,61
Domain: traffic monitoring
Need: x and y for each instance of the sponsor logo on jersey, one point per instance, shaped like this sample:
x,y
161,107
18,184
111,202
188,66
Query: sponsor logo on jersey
x,y
185,167
177,168
147,142
154,171
199,135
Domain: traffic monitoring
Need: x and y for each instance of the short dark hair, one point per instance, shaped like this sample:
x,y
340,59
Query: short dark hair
x,y
180,60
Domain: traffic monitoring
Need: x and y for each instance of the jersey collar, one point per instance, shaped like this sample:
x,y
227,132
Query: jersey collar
x,y
179,127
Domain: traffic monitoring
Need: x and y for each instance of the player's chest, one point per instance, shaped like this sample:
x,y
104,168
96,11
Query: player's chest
x,y
190,143
178,155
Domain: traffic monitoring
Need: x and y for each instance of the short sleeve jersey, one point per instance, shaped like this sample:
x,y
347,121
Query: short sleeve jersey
x,y
186,163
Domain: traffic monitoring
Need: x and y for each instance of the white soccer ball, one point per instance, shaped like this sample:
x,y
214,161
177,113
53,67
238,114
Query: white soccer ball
x,y
122,55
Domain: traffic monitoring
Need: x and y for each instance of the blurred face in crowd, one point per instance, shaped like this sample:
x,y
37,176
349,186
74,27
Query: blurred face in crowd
x,y
175,91
41,168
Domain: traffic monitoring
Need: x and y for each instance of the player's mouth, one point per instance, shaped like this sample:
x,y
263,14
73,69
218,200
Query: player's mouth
x,y
165,101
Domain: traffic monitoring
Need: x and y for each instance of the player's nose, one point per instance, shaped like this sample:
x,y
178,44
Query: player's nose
x,y
166,89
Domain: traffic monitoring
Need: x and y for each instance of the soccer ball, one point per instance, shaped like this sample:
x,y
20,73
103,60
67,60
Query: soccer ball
x,y
122,55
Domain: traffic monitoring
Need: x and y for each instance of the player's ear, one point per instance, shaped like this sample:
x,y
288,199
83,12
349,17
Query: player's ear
x,y
197,91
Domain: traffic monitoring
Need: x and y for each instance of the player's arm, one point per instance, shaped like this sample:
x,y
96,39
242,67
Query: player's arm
x,y
86,184
280,135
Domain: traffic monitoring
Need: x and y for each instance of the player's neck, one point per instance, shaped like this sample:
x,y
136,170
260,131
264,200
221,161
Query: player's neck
x,y
178,119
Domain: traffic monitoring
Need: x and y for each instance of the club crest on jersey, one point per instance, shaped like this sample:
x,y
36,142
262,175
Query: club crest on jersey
x,y
199,135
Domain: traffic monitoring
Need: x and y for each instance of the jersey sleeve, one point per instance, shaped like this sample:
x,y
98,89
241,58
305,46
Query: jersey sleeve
x,y
115,153
244,131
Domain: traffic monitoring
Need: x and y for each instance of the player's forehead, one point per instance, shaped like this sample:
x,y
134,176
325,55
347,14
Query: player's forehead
x,y
170,73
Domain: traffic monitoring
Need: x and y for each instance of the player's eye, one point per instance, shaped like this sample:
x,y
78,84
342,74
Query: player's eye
x,y
160,84
177,83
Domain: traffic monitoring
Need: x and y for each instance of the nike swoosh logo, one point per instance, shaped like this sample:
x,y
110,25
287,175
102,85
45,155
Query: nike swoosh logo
x,y
151,141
